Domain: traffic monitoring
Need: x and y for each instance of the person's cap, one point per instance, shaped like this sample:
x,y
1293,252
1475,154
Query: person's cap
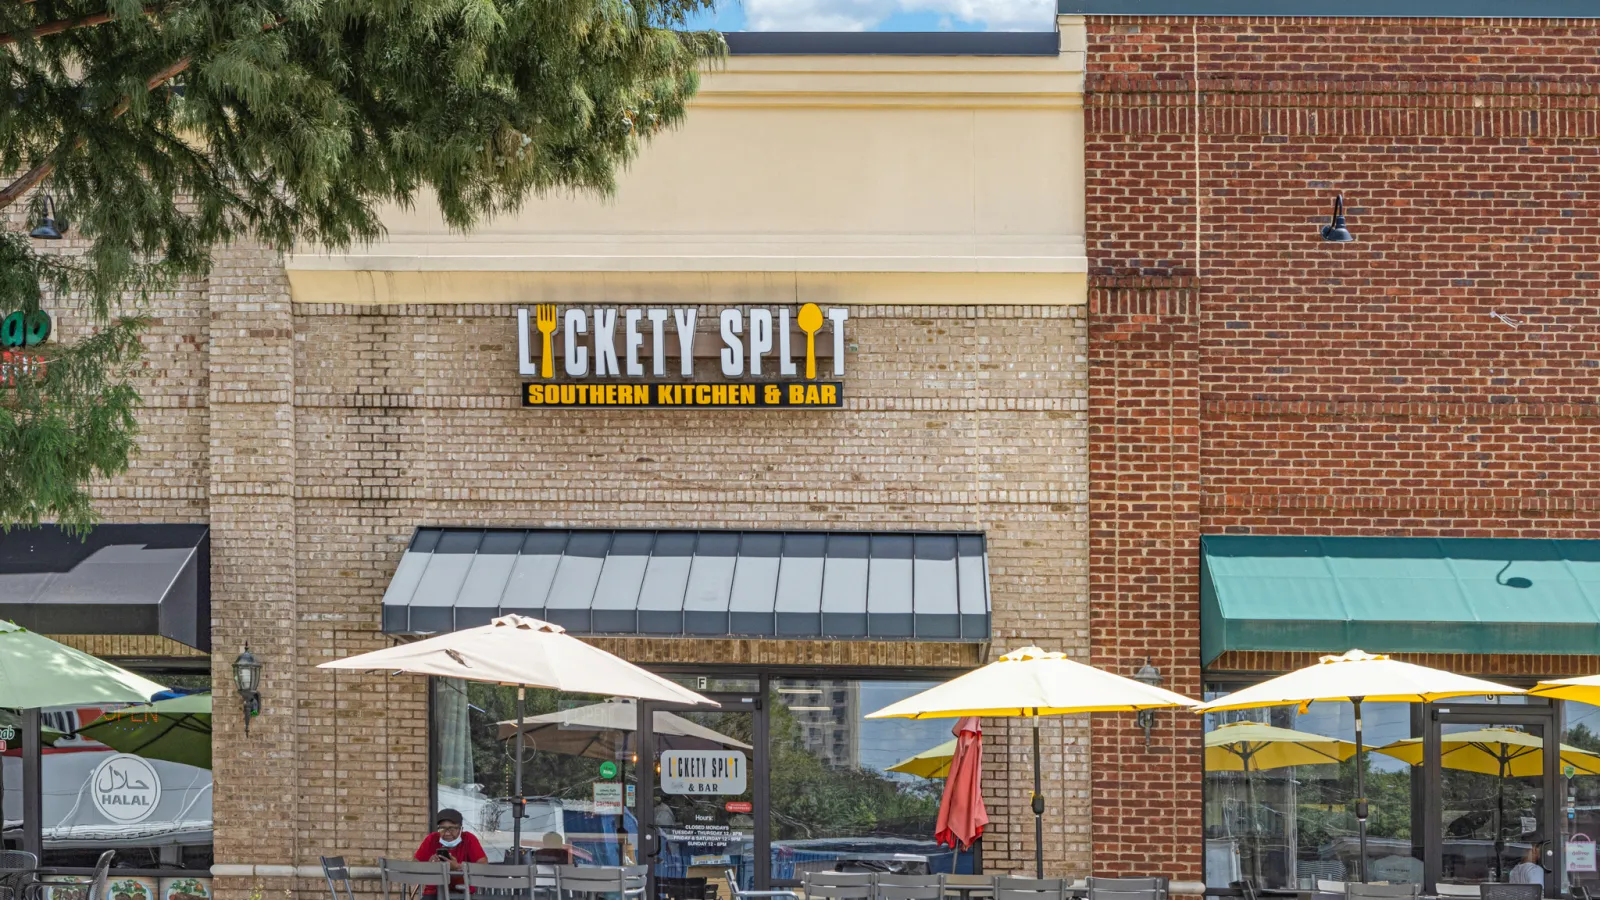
x,y
447,815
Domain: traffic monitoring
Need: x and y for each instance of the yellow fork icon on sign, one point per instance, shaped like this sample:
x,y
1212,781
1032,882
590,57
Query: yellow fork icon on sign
x,y
546,320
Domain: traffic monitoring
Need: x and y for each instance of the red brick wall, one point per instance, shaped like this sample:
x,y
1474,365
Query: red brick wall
x,y
1301,387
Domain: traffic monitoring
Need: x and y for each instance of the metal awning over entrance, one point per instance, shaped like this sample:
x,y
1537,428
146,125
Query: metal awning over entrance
x,y
1420,595
792,584
118,579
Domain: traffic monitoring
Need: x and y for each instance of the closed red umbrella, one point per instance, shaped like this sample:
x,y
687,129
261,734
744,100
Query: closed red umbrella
x,y
961,813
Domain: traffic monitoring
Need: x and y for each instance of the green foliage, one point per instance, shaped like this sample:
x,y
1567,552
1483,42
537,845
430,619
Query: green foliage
x,y
74,423
164,130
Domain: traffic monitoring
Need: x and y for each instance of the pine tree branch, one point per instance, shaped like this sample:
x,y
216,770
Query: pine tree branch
x,y
57,27
31,178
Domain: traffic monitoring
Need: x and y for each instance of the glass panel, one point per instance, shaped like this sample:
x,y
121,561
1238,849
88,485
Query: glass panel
x,y
1492,803
1280,795
1580,781
578,770
834,792
155,812
704,803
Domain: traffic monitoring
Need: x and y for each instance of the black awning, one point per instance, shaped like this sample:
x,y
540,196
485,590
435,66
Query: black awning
x,y
789,584
118,579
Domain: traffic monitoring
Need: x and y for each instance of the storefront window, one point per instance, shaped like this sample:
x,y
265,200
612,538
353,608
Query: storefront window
x,y
834,793
1580,795
578,770
126,779
1280,809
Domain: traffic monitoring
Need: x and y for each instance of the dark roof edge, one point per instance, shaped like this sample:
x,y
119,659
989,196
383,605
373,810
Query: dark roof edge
x,y
1302,9
893,43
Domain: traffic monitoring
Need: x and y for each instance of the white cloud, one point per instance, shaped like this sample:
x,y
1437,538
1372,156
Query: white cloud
x,y
860,15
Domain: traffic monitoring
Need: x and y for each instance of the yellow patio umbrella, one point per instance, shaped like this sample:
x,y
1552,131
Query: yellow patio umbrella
x,y
1356,677
1502,752
1583,690
931,763
1252,747
1030,683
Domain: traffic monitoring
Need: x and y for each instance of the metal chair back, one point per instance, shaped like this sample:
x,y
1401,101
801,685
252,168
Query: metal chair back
x,y
590,881
101,879
498,878
404,873
1011,887
837,886
1356,890
17,867
1466,890
1511,891
337,872
738,894
908,887
1147,888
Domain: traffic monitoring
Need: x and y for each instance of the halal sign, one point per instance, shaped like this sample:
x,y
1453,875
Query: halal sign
x,y
125,789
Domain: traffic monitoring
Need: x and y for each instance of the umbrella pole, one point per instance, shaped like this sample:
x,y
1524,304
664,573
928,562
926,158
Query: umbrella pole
x,y
1038,804
1500,821
1361,796
517,808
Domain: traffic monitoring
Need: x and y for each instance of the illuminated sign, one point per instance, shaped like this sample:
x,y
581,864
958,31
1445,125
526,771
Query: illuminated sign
x,y
620,357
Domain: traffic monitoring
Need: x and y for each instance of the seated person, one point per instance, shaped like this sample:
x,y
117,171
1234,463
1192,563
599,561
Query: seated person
x,y
450,844
1528,871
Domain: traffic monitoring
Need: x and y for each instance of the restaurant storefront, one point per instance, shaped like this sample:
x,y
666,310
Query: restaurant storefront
x,y
797,417
1460,792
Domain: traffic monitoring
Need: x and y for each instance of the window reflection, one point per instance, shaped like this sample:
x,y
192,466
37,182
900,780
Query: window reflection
x,y
835,794
1284,814
578,763
1579,795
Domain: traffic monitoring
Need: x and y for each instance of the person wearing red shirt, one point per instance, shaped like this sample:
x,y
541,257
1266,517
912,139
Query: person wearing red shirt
x,y
450,843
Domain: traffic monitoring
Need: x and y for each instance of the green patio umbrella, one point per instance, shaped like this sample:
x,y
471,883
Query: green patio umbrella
x,y
37,672
177,730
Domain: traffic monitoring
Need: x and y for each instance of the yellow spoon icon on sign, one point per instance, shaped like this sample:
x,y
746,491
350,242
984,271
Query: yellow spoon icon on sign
x,y
810,320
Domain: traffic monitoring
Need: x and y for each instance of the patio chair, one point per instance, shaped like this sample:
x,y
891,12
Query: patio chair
x,y
1511,891
1357,890
1155,887
409,876
908,887
1456,890
837,886
1011,887
498,879
94,889
598,881
17,868
733,888
337,872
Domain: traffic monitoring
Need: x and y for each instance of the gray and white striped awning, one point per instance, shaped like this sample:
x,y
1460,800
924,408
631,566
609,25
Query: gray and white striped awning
x,y
790,584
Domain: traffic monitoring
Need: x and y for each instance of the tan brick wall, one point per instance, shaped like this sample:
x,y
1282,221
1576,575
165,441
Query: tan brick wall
x,y
315,438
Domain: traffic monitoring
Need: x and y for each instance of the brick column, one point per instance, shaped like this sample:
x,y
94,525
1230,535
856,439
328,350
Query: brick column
x,y
1143,543
253,558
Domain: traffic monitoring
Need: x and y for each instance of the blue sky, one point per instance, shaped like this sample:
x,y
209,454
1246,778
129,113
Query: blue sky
x,y
883,15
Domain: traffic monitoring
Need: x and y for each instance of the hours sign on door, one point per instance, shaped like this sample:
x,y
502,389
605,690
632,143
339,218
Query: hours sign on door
x,y
705,772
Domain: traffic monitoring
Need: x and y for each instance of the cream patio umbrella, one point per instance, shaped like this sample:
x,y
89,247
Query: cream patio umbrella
x,y
593,730
1356,677
525,652
1582,690
1250,747
1031,683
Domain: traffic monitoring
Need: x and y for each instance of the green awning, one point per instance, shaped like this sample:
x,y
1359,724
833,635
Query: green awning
x,y
1420,595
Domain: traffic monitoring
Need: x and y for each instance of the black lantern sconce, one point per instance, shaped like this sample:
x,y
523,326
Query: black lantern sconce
x,y
1336,231
51,229
247,676
1150,675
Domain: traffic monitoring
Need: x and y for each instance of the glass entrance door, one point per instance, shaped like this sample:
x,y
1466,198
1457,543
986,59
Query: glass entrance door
x,y
1491,807
701,811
